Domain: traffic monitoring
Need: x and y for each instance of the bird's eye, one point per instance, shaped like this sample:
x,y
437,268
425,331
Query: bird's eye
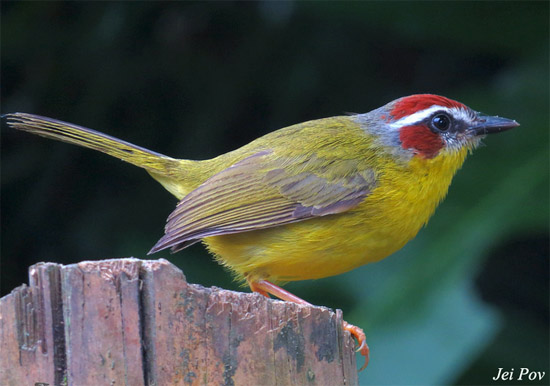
x,y
441,122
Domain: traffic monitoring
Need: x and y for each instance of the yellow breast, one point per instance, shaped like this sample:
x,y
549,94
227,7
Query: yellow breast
x,y
404,199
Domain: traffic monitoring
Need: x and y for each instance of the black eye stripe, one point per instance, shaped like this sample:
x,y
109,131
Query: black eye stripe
x,y
441,122
456,124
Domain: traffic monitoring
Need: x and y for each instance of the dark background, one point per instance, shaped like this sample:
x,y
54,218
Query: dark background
x,y
196,79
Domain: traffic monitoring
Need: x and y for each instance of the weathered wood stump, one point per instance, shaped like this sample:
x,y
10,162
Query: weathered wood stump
x,y
138,322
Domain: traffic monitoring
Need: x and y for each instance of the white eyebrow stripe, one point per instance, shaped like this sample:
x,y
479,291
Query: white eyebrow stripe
x,y
455,112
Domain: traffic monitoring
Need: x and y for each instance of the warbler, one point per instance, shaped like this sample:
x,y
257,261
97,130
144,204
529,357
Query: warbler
x,y
311,200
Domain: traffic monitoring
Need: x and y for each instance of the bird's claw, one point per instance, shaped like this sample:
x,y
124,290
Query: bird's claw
x,y
362,346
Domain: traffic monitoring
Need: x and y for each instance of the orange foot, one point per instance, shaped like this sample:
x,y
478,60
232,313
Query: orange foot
x,y
265,288
359,334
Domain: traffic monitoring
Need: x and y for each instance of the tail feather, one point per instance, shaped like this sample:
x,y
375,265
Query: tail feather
x,y
155,163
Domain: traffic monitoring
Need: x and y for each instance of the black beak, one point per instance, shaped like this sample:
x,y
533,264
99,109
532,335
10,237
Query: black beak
x,y
485,124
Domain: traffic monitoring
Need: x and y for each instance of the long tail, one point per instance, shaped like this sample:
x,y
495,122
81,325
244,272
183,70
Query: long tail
x,y
155,163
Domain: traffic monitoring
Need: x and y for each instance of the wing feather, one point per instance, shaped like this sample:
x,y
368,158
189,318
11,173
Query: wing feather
x,y
263,191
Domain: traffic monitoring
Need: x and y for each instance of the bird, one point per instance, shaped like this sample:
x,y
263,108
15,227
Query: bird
x,y
310,200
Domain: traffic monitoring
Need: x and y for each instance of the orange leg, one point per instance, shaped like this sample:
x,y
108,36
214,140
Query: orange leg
x,y
265,288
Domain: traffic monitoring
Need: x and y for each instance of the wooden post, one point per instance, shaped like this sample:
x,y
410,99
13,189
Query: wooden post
x,y
138,322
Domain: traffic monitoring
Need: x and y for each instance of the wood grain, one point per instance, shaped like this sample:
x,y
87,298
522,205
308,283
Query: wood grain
x,y
138,322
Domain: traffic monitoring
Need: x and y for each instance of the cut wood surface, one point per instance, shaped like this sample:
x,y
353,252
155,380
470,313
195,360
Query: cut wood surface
x,y
138,322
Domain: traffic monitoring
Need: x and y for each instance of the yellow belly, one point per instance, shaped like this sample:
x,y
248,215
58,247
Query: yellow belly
x,y
392,214
305,250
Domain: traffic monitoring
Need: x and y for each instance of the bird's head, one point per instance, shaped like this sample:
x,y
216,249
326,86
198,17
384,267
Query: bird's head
x,y
425,125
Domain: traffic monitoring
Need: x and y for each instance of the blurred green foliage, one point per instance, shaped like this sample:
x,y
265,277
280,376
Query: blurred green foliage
x,y
196,79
